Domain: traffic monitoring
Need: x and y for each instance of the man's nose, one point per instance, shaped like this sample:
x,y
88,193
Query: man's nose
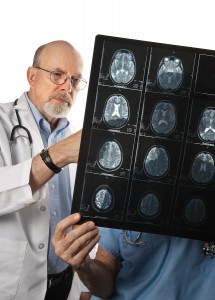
x,y
67,86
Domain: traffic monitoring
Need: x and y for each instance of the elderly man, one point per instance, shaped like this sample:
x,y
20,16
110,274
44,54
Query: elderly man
x,y
38,150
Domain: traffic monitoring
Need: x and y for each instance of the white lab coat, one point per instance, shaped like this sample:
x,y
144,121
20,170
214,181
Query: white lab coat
x,y
24,219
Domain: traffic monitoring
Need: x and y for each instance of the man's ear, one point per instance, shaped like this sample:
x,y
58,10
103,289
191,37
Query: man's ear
x,y
31,76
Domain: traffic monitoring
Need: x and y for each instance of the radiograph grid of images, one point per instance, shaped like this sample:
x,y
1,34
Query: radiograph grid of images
x,y
123,65
164,116
205,75
103,198
162,175
150,203
170,71
116,109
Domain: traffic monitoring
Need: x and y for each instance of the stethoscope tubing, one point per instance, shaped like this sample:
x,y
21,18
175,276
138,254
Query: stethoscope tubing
x,y
19,126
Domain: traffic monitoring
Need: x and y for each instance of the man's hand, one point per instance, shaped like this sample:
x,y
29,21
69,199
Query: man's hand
x,y
74,246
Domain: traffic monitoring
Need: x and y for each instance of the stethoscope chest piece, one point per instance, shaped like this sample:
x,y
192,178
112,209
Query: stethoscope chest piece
x,y
21,145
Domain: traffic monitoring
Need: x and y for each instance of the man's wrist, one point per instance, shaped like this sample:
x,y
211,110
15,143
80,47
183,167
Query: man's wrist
x,y
48,161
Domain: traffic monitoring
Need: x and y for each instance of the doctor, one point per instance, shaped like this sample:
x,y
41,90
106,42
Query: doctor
x,y
38,152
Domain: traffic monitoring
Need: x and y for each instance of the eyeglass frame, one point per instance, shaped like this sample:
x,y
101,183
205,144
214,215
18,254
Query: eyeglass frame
x,y
66,77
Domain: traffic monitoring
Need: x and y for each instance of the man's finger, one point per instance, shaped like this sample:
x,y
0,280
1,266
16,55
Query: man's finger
x,y
63,225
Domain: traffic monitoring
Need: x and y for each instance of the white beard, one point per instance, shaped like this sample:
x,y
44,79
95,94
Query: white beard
x,y
56,110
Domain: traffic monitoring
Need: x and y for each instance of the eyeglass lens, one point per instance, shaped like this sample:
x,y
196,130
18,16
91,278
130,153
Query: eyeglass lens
x,y
60,78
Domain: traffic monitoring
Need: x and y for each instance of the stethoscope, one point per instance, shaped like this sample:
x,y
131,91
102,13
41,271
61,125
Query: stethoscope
x,y
12,136
136,241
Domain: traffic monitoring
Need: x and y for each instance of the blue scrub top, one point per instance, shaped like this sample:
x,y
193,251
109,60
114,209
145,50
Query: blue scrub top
x,y
169,268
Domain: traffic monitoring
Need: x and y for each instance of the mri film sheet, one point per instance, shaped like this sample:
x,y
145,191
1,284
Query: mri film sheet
x,y
147,158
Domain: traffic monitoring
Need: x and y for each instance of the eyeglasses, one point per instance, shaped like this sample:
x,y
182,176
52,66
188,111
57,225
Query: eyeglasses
x,y
60,78
135,241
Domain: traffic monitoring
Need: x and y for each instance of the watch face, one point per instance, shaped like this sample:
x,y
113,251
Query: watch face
x,y
147,156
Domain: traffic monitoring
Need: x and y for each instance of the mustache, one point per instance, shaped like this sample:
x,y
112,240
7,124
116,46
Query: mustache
x,y
61,96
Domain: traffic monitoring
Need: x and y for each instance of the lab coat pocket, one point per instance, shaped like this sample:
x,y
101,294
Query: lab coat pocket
x,y
12,255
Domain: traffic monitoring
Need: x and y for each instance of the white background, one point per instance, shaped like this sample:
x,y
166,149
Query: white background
x,y
26,24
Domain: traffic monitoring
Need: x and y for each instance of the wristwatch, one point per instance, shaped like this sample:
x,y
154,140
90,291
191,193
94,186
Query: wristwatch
x,y
49,163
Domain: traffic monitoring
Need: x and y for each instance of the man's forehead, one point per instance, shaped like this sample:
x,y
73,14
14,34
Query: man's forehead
x,y
63,56
58,48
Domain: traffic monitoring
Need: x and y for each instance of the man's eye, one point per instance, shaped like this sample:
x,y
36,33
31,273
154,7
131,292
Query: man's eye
x,y
57,74
76,80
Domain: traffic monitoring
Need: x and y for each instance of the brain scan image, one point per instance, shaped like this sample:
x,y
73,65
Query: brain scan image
x,y
149,205
116,111
123,67
156,163
195,211
110,156
203,168
163,120
103,199
170,73
206,127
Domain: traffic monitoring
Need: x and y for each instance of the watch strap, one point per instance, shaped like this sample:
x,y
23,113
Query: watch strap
x,y
47,160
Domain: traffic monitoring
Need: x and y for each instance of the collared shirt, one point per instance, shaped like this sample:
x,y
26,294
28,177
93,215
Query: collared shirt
x,y
164,267
59,185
